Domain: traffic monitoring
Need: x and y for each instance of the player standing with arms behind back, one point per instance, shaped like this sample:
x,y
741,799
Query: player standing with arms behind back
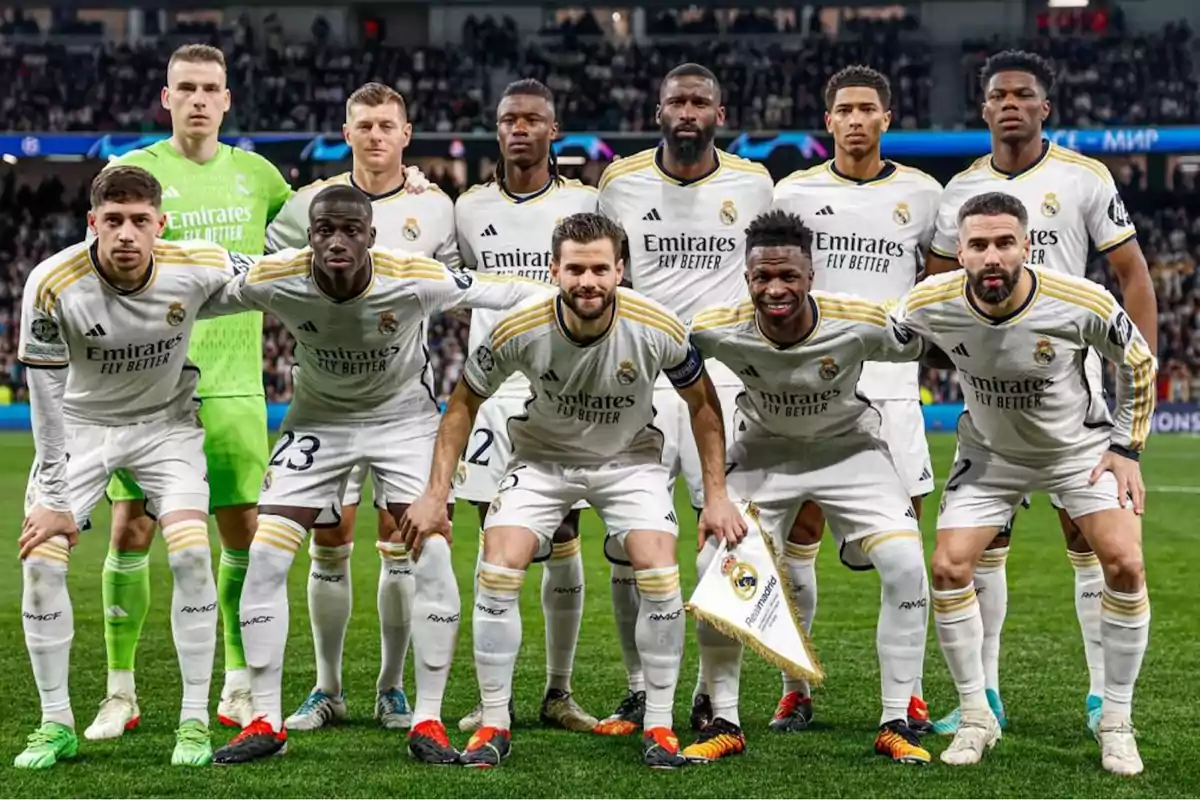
x,y
377,130
225,195
872,220
1021,337
504,228
684,207
1072,201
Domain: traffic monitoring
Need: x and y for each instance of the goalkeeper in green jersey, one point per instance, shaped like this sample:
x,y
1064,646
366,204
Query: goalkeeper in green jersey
x,y
226,195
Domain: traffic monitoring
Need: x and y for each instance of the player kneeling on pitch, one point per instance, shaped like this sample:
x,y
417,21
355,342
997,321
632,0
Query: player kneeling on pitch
x,y
592,355
358,315
104,332
804,434
1018,336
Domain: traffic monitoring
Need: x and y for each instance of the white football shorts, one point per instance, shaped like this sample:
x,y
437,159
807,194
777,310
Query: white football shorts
x,y
165,457
626,495
984,489
903,429
312,461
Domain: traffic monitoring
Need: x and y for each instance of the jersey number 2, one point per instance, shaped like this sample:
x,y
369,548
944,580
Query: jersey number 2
x,y
480,454
306,446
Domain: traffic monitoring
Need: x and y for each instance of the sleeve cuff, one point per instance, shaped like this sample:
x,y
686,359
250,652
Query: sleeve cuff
x,y
1108,247
1127,452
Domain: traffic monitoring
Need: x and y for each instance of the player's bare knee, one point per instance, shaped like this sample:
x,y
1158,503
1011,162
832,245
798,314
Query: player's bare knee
x,y
809,526
950,570
999,542
237,524
650,549
389,531
1125,570
132,528
511,548
334,536
1076,541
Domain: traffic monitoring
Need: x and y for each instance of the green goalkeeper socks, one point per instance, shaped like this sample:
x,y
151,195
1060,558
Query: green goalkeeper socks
x,y
231,574
126,592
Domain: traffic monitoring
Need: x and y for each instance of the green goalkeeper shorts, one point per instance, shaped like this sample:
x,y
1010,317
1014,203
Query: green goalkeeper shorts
x,y
235,444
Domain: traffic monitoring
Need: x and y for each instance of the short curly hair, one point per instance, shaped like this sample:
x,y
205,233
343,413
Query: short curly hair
x,y
1019,61
859,75
778,228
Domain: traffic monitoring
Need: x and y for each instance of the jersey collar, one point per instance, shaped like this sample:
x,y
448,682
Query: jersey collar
x,y
662,170
1010,316
566,332
816,323
375,198
1014,175
525,198
94,258
889,169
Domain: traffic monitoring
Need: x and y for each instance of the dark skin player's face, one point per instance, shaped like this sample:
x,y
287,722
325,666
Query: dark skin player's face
x,y
689,111
1015,107
779,280
525,127
341,235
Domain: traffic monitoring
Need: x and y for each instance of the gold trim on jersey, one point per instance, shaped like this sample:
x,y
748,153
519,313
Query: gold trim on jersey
x,y
928,293
723,316
801,174
147,281
413,268
1115,242
1042,159
1078,293
844,180
626,166
58,278
919,173
523,321
1142,361
852,310
1071,157
198,252
561,323
636,310
808,337
661,171
274,269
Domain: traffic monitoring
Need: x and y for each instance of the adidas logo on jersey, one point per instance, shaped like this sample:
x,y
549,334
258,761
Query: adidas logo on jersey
x,y
171,193
749,371
96,330
653,216
961,350
490,230
308,327
825,212
925,475
549,376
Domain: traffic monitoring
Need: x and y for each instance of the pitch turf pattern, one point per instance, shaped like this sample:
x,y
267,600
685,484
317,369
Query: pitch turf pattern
x,y
1045,752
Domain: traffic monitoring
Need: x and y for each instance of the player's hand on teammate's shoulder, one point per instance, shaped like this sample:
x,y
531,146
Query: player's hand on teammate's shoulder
x,y
426,517
1128,473
415,181
43,524
721,519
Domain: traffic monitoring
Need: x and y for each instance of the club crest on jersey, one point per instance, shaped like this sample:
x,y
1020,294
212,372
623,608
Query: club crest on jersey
x,y
1043,352
728,213
411,230
388,324
626,373
1050,205
176,315
902,215
45,330
268,478
828,369
744,580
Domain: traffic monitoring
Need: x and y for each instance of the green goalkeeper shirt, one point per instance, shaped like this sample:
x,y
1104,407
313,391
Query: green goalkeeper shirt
x,y
228,200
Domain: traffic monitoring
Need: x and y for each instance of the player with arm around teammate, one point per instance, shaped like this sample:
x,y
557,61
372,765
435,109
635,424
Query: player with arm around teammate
x,y
362,394
504,228
105,328
378,131
592,354
804,433
1020,336
871,220
1074,206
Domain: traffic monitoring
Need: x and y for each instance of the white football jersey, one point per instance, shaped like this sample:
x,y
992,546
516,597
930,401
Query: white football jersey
x,y
1070,199
869,238
687,239
504,234
364,359
125,352
592,402
1023,379
808,390
416,223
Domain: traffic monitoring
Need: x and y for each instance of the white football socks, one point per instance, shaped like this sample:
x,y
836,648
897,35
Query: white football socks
x,y
193,612
660,633
497,634
800,561
903,618
436,609
394,602
991,589
1125,627
49,623
1089,587
562,604
329,607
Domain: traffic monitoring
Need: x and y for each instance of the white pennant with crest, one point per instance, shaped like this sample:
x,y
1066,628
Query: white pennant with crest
x,y
744,595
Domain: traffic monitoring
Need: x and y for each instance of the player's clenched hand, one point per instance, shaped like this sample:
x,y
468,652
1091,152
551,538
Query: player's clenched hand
x,y
1128,473
42,524
723,520
426,517
415,181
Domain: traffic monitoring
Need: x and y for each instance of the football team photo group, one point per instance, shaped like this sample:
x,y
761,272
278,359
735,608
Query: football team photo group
x,y
688,320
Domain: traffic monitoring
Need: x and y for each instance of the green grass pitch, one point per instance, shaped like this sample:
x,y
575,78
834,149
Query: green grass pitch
x,y
1044,753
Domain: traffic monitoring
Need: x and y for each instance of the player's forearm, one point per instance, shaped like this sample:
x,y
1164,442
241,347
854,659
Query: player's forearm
x,y
708,429
453,432
46,390
1142,305
500,294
